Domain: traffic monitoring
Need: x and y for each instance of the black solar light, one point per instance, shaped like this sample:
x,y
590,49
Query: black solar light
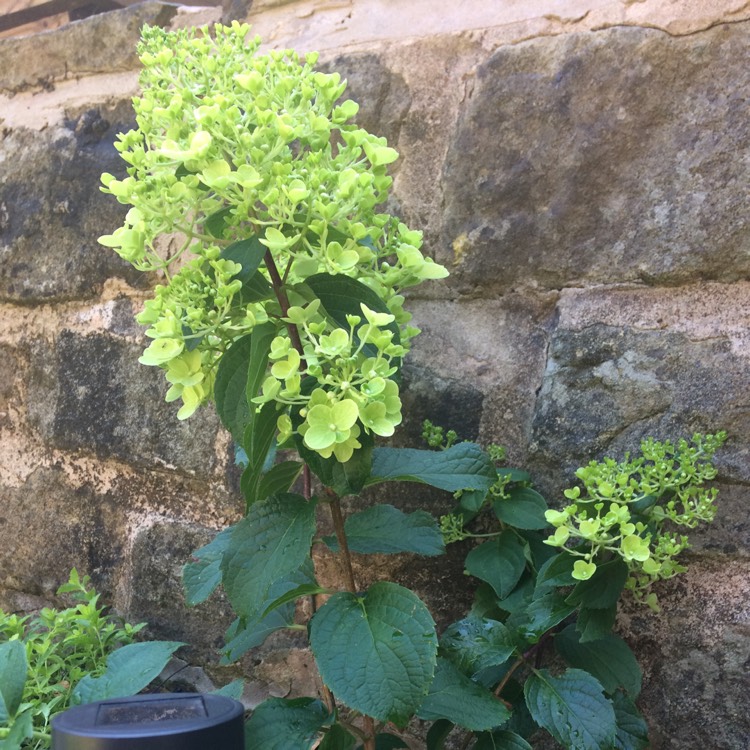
x,y
163,721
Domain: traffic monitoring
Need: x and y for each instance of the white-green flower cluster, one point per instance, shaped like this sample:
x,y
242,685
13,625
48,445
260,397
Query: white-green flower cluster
x,y
233,145
625,508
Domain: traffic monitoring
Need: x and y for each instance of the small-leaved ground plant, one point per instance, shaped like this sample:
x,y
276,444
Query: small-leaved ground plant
x,y
258,200
63,657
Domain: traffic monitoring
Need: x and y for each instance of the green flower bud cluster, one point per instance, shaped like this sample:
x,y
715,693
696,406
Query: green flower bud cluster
x,y
232,146
625,508
353,367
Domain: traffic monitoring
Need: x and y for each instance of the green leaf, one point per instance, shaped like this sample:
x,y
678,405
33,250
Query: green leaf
x,y
129,670
278,478
632,731
247,633
471,502
376,652
258,441
201,576
216,222
305,589
349,478
438,734
593,624
572,708
13,669
514,475
383,529
341,296
387,742
260,345
233,689
461,467
455,697
279,724
544,613
337,738
524,509
476,643
609,659
603,589
500,562
21,729
557,571
249,254
232,379
501,740
269,544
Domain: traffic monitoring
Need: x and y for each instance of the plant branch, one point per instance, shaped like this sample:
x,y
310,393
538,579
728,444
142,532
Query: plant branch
x,y
338,524
281,296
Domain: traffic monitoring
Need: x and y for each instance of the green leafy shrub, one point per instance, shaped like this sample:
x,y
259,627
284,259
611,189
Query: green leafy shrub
x,y
60,658
281,301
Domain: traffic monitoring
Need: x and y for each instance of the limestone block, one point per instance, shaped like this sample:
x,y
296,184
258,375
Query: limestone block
x,y
100,44
52,211
88,392
695,656
50,526
603,157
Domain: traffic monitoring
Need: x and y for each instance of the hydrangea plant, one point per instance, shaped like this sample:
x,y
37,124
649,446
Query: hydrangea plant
x,y
257,200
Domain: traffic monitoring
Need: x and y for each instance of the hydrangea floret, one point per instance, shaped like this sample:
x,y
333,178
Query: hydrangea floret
x,y
631,509
247,181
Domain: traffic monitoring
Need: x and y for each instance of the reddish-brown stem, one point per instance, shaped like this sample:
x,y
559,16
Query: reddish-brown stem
x,y
278,288
368,739
338,525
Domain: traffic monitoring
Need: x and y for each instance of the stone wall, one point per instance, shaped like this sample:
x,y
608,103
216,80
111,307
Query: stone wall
x,y
583,168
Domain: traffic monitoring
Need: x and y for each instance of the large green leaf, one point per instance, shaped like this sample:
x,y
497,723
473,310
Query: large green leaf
x,y
524,508
202,575
383,529
501,740
476,643
278,478
279,724
500,562
341,296
438,734
337,738
13,669
249,254
376,652
464,466
455,697
544,613
129,670
268,545
609,659
246,633
632,731
603,589
593,624
21,729
572,708
258,441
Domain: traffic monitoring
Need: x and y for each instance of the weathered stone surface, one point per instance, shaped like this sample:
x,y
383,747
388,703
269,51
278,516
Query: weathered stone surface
x,y
52,211
382,95
476,366
570,166
48,527
695,656
89,393
156,595
99,44
607,387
